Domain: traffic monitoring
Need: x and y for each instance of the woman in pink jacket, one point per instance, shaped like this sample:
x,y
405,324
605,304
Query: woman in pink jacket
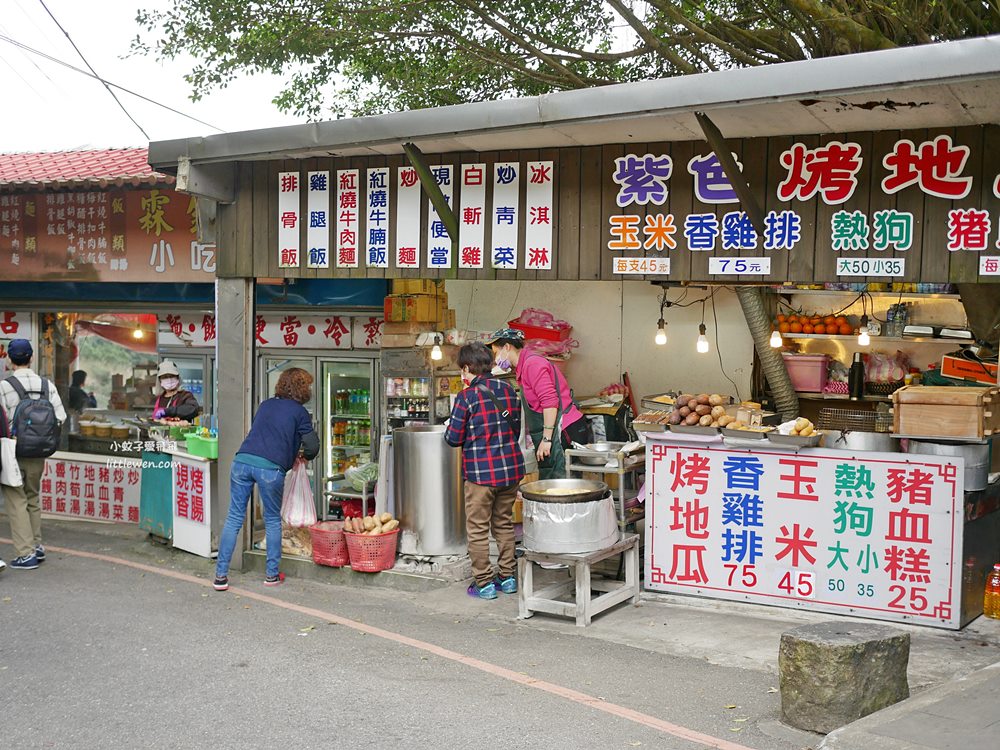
x,y
551,417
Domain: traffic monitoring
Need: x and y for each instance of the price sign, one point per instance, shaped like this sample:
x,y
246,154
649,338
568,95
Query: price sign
x,y
652,266
871,266
741,266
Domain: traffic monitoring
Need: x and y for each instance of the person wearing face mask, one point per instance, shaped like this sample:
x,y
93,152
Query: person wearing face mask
x,y
174,402
551,418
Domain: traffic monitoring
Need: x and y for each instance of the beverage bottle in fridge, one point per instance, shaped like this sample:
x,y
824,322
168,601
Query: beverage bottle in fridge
x,y
991,599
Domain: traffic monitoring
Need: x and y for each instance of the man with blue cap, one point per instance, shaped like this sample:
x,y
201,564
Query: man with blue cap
x,y
23,509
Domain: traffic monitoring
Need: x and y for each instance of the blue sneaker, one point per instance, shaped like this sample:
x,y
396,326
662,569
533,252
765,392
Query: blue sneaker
x,y
489,591
40,553
507,585
24,562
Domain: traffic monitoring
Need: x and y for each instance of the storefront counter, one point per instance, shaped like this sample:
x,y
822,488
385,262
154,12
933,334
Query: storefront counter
x,y
876,535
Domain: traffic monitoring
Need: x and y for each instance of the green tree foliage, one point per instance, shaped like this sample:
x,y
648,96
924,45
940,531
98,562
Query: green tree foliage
x,y
363,57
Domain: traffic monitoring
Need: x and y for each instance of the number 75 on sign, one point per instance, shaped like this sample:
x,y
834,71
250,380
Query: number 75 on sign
x,y
742,266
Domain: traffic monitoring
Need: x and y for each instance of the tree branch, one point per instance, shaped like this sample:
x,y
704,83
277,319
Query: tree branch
x,y
649,38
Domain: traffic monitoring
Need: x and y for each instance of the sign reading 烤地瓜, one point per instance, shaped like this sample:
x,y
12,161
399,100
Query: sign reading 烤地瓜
x,y
869,534
930,203
103,235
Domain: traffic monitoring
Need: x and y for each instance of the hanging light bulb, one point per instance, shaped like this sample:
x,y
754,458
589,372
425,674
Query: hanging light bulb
x,y
702,340
661,332
776,339
137,332
436,354
863,338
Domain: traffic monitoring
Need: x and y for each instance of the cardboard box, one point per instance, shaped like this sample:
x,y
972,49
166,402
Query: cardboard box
x,y
419,308
408,327
946,411
399,340
961,368
446,320
417,286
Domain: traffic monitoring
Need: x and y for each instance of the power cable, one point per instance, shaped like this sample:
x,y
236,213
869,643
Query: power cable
x,y
113,94
136,94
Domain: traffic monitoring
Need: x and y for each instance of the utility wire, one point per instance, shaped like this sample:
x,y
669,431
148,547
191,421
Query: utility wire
x,y
136,94
113,94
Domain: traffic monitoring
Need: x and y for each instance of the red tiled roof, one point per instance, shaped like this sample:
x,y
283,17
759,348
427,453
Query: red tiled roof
x,y
79,169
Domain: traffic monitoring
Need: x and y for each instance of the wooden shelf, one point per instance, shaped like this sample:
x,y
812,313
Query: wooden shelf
x,y
917,295
875,339
842,398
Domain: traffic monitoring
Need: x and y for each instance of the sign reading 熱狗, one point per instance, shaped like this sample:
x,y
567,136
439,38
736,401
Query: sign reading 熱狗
x,y
869,534
916,205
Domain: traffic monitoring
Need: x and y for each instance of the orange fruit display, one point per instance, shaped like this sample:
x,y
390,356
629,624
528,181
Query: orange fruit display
x,y
795,327
819,328
842,321
784,327
829,320
781,318
845,329
807,328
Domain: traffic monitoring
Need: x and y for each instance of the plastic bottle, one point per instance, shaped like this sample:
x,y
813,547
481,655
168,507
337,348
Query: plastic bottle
x,y
991,599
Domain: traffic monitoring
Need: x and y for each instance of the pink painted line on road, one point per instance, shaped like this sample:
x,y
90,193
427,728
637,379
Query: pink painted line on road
x,y
520,678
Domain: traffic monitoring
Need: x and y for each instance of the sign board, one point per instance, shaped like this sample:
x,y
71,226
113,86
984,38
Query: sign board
x,y
870,534
102,488
103,235
192,503
279,331
14,325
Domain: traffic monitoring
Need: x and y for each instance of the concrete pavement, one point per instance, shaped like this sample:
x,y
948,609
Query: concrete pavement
x,y
698,666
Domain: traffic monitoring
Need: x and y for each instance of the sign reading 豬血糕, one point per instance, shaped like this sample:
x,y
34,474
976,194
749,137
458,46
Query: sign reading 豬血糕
x,y
871,534
930,202
279,331
103,235
91,487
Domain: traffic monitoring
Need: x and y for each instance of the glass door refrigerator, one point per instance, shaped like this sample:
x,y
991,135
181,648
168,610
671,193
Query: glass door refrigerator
x,y
417,390
350,431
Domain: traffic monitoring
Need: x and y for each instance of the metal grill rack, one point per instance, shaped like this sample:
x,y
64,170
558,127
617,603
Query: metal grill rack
x,y
854,420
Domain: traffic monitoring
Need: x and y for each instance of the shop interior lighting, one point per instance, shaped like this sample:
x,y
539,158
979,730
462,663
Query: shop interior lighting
x,y
776,339
661,332
863,338
702,340
137,333
436,354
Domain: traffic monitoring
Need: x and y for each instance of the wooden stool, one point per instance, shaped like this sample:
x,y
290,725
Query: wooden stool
x,y
583,608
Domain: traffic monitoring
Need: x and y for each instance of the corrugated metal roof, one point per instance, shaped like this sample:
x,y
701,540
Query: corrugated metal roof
x,y
98,168
935,85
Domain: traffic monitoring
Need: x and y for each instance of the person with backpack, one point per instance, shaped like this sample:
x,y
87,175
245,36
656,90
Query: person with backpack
x,y
486,423
35,416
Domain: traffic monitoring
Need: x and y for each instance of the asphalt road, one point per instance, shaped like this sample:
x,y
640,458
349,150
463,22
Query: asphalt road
x,y
99,654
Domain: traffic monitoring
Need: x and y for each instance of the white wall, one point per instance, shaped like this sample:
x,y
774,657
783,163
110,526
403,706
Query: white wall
x,y
615,322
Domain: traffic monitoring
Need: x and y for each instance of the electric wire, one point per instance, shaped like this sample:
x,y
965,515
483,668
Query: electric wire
x,y
16,43
718,349
113,94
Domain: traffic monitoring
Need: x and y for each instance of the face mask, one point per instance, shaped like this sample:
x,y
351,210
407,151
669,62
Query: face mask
x,y
170,384
467,378
503,362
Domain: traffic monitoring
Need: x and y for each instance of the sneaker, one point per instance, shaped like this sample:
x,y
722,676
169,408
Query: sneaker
x,y
221,583
489,591
3,566
274,580
24,562
40,553
507,585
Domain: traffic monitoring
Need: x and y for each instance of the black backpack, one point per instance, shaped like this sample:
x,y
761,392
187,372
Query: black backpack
x,y
35,425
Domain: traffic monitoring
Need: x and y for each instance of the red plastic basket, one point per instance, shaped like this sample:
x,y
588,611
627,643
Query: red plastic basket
x,y
329,545
372,554
538,332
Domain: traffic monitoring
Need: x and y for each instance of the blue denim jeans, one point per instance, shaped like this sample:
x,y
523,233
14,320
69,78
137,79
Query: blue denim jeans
x,y
270,484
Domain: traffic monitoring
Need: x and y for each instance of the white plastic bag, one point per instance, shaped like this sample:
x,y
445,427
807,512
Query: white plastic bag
x,y
10,472
297,505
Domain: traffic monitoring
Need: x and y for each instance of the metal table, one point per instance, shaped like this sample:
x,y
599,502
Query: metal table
x,y
628,464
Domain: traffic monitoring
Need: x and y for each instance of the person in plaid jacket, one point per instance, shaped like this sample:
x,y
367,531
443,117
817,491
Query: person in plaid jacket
x,y
486,423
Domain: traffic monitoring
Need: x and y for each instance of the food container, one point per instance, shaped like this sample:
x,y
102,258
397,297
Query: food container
x,y
540,332
102,429
808,372
564,490
694,429
795,441
569,527
858,440
745,434
936,411
121,432
87,429
605,451
977,459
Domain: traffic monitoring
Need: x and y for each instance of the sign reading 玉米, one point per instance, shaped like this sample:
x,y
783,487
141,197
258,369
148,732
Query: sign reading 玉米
x,y
871,534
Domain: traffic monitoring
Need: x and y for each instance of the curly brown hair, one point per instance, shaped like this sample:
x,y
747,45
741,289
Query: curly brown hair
x,y
294,383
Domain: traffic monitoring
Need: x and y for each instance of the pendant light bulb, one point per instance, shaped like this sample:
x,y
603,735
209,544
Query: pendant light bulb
x,y
863,338
702,340
436,354
137,333
661,332
776,339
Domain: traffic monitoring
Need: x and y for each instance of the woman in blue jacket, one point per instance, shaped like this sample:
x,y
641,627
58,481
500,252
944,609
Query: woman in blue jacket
x,y
280,430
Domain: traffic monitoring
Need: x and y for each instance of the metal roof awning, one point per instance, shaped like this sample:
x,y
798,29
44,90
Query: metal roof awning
x,y
937,85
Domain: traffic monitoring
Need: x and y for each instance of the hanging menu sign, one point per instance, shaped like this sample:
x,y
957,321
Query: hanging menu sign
x,y
288,219
318,231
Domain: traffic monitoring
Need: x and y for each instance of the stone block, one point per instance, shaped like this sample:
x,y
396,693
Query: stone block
x,y
833,673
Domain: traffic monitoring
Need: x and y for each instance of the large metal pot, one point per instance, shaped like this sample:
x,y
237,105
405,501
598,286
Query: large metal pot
x,y
977,459
856,440
429,491
564,491
570,527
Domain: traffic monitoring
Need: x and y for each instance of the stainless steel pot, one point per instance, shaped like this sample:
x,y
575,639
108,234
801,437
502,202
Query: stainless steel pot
x,y
571,528
855,440
977,459
605,449
564,491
